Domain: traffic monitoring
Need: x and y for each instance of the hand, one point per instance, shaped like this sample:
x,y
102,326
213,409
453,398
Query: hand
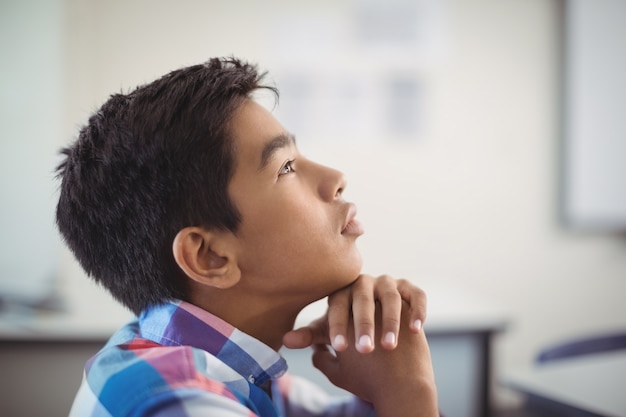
x,y
398,382
358,300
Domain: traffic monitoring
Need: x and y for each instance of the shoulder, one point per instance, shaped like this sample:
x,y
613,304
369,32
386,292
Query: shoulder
x,y
141,375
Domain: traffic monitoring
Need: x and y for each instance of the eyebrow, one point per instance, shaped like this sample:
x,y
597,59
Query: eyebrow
x,y
281,141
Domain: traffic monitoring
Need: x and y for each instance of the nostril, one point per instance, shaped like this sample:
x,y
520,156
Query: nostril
x,y
340,184
332,183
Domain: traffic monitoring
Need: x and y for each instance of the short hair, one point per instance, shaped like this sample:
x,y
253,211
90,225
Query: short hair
x,y
146,165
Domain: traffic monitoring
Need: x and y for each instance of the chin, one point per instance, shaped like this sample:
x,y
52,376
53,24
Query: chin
x,y
352,270
358,263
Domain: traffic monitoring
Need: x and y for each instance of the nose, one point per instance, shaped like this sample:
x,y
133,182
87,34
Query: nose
x,y
331,183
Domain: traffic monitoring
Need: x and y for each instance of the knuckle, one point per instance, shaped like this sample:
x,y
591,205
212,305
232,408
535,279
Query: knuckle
x,y
390,295
387,280
365,324
392,320
362,297
337,326
366,277
419,311
408,285
338,304
338,297
402,282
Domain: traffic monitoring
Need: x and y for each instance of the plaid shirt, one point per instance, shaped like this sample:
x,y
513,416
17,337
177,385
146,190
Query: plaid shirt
x,y
179,360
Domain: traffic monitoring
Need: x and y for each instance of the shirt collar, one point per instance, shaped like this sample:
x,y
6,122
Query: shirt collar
x,y
178,323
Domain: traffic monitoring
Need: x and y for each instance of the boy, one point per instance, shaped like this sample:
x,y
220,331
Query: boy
x,y
190,203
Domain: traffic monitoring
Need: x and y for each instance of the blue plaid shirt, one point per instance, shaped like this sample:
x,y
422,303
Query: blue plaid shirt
x,y
179,360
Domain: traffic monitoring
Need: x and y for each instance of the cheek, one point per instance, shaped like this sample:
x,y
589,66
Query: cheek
x,y
288,229
290,212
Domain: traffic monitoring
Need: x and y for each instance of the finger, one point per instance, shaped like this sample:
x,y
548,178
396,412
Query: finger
x,y
298,339
363,309
326,362
387,293
315,333
416,298
338,319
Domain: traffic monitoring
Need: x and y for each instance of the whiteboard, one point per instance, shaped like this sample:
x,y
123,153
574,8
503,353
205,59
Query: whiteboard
x,y
595,115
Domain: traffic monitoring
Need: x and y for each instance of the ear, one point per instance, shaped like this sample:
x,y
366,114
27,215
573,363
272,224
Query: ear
x,y
205,257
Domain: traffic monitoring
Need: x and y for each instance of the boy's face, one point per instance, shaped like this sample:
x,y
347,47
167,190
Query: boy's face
x,y
297,236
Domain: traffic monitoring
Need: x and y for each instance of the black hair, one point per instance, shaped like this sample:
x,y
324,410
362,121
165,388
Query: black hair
x,y
147,164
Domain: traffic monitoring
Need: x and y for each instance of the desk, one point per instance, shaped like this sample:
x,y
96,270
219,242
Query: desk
x,y
459,329
591,385
44,355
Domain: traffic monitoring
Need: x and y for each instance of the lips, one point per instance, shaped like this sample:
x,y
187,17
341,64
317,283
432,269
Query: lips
x,y
351,226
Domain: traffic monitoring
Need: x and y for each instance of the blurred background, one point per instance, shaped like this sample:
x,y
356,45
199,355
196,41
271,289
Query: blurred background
x,y
457,122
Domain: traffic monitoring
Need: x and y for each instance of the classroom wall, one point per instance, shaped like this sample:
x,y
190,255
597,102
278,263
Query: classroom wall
x,y
469,205
31,45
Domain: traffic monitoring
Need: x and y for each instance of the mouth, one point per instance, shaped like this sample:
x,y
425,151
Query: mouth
x,y
351,226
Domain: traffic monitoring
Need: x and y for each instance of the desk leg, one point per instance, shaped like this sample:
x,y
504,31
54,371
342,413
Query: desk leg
x,y
485,375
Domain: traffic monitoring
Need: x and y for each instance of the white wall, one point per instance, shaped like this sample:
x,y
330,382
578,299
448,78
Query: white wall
x,y
471,204
31,46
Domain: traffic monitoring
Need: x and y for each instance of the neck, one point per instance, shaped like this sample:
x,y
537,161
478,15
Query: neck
x,y
267,325
267,322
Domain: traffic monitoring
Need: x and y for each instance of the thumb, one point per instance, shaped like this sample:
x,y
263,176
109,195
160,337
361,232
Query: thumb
x,y
326,362
315,333
298,339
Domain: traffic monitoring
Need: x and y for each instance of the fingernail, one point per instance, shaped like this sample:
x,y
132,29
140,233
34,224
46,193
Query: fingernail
x,y
339,342
365,341
390,339
417,325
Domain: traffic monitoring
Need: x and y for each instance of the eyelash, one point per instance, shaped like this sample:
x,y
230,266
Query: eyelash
x,y
287,168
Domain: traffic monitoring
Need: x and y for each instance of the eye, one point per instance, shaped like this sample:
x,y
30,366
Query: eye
x,y
287,168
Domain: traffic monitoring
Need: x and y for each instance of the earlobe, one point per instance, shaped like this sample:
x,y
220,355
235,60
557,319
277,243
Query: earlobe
x,y
204,257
